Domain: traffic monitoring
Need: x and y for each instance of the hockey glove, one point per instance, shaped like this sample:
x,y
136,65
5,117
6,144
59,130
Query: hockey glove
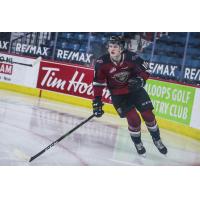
x,y
136,83
97,107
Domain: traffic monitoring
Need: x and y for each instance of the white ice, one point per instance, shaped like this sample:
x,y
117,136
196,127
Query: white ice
x,y
29,124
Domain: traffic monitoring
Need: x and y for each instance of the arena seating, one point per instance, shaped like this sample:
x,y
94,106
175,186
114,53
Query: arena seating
x,y
173,46
168,48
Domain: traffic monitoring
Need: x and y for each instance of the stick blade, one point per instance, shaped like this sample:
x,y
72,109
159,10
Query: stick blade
x,y
20,154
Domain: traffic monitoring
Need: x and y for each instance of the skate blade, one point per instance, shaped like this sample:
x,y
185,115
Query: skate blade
x,y
165,155
143,155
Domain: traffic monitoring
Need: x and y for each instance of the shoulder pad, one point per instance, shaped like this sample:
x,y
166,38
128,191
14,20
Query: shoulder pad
x,y
131,55
103,59
99,60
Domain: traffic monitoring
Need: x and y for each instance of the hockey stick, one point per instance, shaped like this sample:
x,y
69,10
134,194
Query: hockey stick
x,y
24,64
59,139
28,65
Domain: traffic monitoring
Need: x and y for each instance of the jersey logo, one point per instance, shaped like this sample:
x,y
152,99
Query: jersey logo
x,y
121,77
112,70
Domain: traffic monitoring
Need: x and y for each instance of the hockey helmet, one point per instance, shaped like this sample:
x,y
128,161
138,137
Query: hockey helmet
x,y
117,40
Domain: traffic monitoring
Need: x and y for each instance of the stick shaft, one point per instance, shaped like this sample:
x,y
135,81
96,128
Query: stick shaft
x,y
61,138
28,65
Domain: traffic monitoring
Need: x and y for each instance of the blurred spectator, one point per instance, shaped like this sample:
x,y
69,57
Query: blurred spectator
x,y
5,36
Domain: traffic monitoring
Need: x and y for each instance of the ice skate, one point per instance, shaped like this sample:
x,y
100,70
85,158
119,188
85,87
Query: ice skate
x,y
140,149
160,146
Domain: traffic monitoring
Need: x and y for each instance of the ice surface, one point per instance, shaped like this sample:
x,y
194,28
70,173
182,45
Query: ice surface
x,y
29,124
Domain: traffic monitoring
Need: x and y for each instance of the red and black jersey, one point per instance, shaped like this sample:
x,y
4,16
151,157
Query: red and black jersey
x,y
115,76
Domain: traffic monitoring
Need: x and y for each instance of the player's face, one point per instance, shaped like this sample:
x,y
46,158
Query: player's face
x,y
114,50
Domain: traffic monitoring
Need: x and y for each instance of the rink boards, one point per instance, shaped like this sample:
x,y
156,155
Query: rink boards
x,y
176,106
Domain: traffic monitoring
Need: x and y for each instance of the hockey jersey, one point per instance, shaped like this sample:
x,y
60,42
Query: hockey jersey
x,y
115,76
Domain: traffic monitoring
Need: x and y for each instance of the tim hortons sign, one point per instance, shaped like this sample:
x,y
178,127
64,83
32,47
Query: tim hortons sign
x,y
68,79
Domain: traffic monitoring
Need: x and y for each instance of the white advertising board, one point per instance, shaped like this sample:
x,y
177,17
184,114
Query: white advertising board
x,y
19,70
28,72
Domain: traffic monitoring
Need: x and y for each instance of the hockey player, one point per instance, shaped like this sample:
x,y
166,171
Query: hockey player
x,y
124,73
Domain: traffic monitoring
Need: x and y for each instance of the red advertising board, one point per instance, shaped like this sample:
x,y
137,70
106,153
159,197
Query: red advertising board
x,y
68,79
